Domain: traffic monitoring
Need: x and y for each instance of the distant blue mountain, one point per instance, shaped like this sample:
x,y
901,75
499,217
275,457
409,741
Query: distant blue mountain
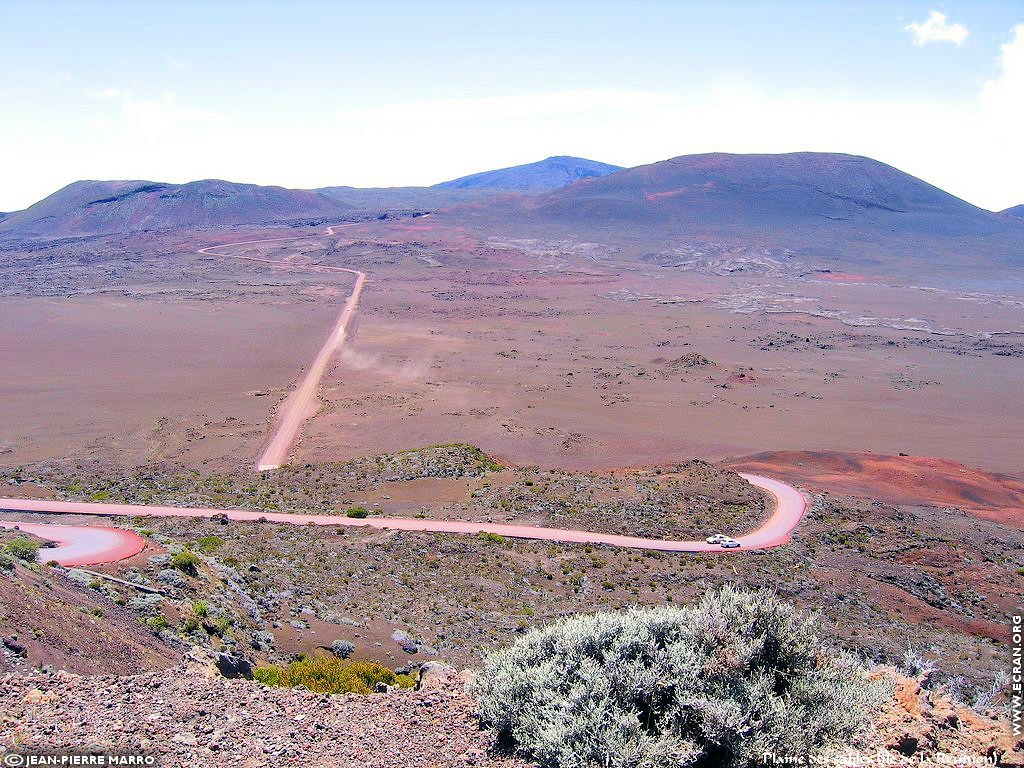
x,y
544,175
1017,210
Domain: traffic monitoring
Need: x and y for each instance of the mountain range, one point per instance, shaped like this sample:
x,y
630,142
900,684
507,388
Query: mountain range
x,y
103,207
822,208
764,191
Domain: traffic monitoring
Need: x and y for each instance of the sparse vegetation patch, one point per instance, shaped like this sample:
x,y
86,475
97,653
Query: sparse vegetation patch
x,y
721,683
329,674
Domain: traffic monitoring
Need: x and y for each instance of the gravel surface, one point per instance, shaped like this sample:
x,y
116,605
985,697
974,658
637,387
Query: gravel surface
x,y
185,717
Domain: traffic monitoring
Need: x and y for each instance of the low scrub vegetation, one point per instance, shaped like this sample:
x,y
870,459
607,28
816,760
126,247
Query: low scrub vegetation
x,y
720,683
342,648
24,549
327,674
186,562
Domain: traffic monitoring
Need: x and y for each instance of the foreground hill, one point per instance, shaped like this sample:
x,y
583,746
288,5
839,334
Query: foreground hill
x,y
824,209
188,715
52,617
551,173
100,207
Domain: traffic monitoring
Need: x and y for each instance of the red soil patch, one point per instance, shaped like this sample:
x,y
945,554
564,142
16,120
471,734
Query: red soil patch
x,y
897,480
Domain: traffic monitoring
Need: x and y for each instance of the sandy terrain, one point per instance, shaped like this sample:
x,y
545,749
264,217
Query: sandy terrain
x,y
119,377
555,353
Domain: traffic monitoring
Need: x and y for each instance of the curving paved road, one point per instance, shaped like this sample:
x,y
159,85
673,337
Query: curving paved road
x,y
790,506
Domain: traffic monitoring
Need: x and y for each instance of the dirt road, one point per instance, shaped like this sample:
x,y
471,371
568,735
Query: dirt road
x,y
790,506
82,544
301,405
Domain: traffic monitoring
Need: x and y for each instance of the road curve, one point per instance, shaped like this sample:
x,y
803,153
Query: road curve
x,y
300,405
83,544
92,545
790,506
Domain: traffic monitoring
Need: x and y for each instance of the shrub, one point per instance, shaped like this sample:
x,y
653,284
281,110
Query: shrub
x,y
6,562
492,538
358,512
342,648
221,625
717,684
209,543
916,664
24,549
327,674
201,608
157,623
186,562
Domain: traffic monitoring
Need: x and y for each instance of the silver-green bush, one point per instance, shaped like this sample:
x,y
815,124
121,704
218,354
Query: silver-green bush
x,y
721,683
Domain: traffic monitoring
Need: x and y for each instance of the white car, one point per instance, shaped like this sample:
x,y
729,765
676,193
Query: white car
x,y
729,544
716,539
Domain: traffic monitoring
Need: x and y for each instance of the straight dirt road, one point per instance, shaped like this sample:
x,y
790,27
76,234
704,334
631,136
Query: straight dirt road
x,y
301,405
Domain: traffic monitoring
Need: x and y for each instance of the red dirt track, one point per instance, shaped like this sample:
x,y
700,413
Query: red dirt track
x,y
83,544
790,506
300,405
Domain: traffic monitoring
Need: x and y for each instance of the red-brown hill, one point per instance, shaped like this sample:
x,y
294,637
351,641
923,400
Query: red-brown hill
x,y
101,207
818,208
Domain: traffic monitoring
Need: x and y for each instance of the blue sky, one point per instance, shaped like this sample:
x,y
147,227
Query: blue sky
x,y
309,94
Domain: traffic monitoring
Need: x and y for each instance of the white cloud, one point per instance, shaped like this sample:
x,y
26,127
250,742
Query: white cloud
x,y
937,29
964,146
176,64
106,94
1004,96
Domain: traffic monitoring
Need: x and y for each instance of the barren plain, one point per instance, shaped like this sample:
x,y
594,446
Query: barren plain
x,y
552,353
558,382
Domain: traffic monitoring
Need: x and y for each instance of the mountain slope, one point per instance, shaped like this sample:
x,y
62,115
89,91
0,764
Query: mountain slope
x,y
782,189
551,173
99,207
823,210
1017,210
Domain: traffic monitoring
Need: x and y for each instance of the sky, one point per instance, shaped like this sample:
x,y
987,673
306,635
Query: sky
x,y
308,94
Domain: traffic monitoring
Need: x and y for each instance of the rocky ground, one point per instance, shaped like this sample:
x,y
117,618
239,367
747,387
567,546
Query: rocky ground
x,y
190,716
884,576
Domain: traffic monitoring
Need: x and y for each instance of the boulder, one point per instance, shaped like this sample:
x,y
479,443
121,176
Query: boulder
x,y
233,666
436,675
